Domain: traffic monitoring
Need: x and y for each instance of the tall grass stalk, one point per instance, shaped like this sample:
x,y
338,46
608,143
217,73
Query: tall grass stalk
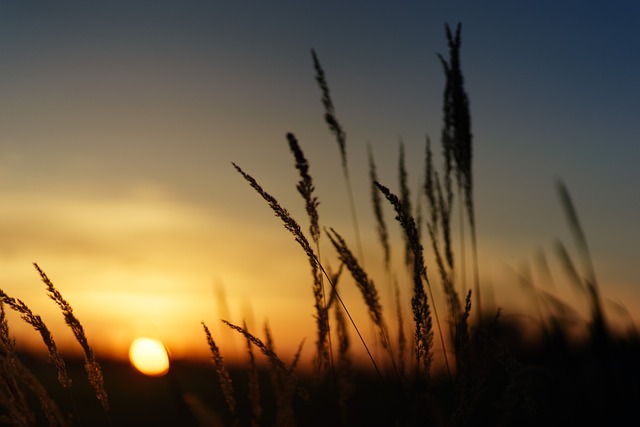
x,y
419,301
287,379
292,226
341,138
440,211
223,373
569,267
599,326
91,365
457,144
368,290
16,410
383,237
405,198
439,221
15,381
38,324
401,339
343,368
381,226
266,350
306,189
254,385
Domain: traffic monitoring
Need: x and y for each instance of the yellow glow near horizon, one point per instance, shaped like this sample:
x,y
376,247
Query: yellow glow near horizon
x,y
149,356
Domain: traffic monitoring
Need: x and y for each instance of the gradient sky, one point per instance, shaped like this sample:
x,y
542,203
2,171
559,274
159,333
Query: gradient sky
x,y
119,120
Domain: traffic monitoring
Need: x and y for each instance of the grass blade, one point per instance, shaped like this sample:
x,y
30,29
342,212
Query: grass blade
x,y
223,374
93,369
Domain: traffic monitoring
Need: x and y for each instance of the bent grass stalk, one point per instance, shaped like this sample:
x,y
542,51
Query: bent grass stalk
x,y
14,379
93,369
292,226
38,324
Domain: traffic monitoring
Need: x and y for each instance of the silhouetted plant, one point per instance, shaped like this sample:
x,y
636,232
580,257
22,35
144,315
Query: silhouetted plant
x,y
457,145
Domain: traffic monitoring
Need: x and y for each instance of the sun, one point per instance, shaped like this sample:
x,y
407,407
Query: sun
x,y
149,356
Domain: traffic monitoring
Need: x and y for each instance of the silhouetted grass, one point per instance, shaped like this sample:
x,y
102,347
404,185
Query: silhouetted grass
x,y
502,370
495,377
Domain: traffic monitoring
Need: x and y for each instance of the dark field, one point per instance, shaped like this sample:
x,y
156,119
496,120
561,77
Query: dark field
x,y
516,383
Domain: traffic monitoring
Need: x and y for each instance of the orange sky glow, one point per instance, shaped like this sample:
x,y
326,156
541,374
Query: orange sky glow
x,y
117,133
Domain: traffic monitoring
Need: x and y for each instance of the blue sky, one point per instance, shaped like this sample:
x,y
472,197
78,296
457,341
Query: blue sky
x,y
119,120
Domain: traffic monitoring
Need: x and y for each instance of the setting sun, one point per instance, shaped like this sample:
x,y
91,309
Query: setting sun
x,y
149,356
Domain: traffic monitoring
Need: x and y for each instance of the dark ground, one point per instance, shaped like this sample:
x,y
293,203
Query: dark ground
x,y
511,382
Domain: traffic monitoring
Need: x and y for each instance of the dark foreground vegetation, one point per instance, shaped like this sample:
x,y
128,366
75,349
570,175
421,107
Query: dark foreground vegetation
x,y
495,371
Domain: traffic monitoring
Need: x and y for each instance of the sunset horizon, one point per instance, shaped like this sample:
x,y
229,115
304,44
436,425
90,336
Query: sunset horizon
x,y
145,148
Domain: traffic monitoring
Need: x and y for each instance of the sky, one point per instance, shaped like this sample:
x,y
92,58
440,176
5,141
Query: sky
x,y
119,122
